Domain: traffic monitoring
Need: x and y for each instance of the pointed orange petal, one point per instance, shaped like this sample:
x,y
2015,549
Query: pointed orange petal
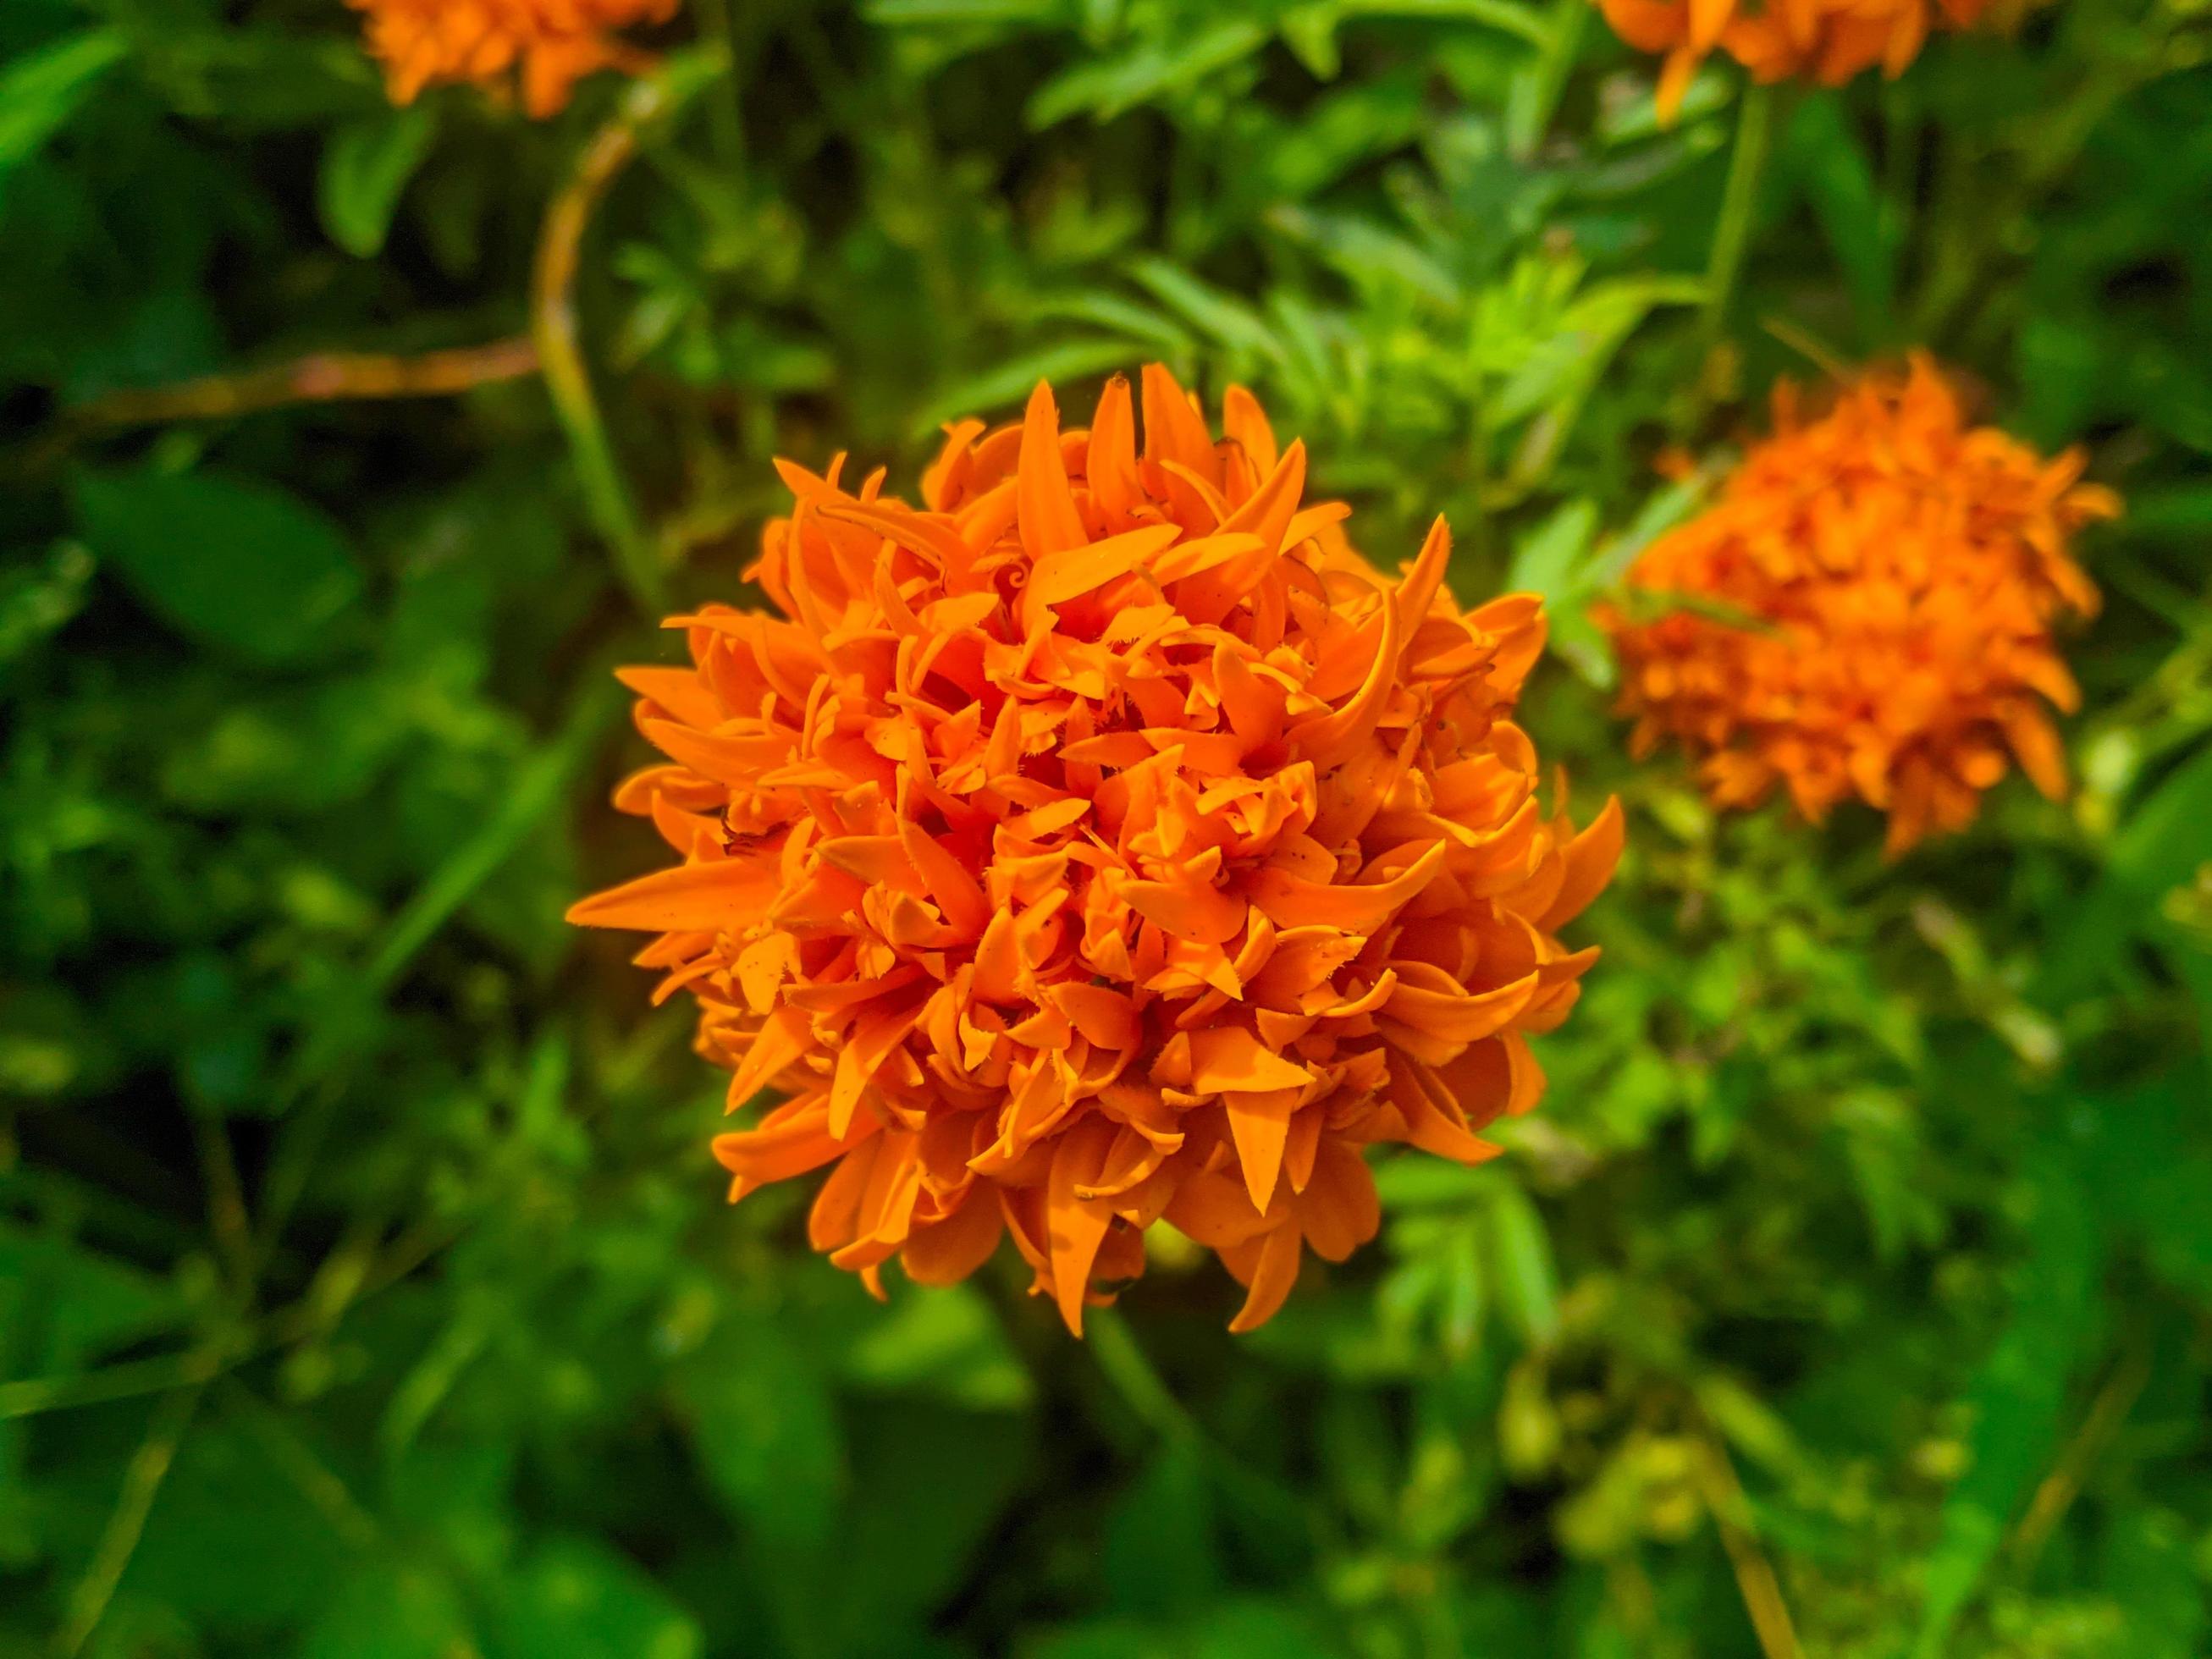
x,y
1271,1279
1259,1124
1433,1120
1359,907
1112,464
1075,1227
1107,1017
1461,1019
1245,423
957,894
783,1037
1173,428
1044,504
1590,858
1338,1210
679,690
1205,915
789,1141
1229,1057
1061,576
707,897
1274,503
862,1056
1418,591
726,757
1324,739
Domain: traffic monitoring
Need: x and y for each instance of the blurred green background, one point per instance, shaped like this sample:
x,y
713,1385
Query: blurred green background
x,y
366,1288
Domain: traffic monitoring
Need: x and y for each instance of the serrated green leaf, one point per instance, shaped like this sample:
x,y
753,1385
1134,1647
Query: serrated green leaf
x,y
1104,88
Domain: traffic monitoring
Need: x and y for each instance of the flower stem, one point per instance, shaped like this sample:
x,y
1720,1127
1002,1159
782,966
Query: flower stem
x,y
1141,1387
1739,200
324,377
553,325
126,1523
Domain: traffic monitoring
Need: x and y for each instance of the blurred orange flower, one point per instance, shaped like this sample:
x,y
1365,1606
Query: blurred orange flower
x,y
551,44
1829,41
1103,842
1894,577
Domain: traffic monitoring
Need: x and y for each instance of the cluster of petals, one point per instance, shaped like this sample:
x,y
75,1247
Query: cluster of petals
x,y
1830,41
1868,610
1102,843
545,45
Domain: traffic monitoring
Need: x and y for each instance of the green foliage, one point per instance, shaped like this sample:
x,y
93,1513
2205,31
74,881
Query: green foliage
x,y
365,1289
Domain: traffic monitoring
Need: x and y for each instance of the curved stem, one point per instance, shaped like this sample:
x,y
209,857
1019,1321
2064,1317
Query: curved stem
x,y
553,325
322,376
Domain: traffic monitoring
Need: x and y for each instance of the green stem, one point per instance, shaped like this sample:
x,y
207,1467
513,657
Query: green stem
x,y
128,1380
1537,89
718,26
1134,1379
553,326
118,1540
1739,200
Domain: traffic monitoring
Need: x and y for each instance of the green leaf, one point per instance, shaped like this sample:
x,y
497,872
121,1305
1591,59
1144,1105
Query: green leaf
x,y
944,1342
919,14
577,1598
1248,1628
1008,384
366,166
1838,181
768,1439
1526,22
42,89
1160,1555
1368,255
62,1304
1546,560
2162,844
228,561
391,1612
235,1537
2149,1161
931,1486
1528,1284
1232,324
2015,1399
1559,373
1104,88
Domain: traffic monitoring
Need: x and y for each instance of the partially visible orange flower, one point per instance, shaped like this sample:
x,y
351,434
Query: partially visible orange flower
x,y
1103,842
551,44
1894,577
1829,41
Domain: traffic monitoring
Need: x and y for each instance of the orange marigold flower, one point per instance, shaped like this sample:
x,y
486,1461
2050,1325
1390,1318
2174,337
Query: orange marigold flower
x,y
1103,842
1895,576
551,44
1830,41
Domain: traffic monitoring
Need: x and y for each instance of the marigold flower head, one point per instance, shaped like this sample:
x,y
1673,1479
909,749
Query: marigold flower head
x,y
1895,576
550,45
1830,41
1103,842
